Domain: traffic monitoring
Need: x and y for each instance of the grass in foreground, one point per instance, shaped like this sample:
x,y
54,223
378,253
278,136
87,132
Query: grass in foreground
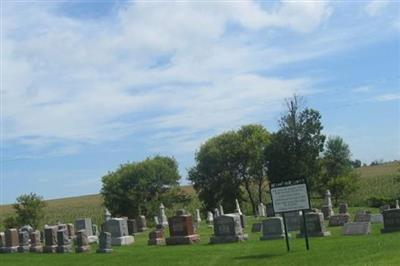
x,y
374,249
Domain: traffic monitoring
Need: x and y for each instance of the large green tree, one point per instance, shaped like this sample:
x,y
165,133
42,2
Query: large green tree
x,y
137,188
29,209
227,163
295,147
337,175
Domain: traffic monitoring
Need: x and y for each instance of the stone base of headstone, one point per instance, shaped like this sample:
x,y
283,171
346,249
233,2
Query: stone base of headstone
x,y
9,249
357,228
339,219
227,239
317,234
23,249
36,249
182,240
273,237
376,218
256,227
93,239
49,249
122,241
82,249
106,250
156,242
64,249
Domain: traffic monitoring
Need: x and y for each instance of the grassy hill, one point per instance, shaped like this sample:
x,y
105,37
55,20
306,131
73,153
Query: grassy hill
x,y
378,181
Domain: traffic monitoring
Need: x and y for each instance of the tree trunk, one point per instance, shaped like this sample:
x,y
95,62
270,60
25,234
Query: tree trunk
x,y
247,186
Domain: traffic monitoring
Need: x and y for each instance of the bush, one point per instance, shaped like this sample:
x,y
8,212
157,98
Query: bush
x,y
10,222
377,202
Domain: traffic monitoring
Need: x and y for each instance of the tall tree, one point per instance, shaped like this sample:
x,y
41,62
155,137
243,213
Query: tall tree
x,y
228,162
337,174
295,147
29,210
136,188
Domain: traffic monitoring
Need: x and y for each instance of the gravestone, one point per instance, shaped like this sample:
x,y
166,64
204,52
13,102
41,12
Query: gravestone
x,y
162,218
315,225
339,219
27,228
261,209
63,241
50,239
256,227
327,208
11,241
141,223
357,228
95,230
36,245
273,228
156,237
221,210
270,210
216,213
104,243
23,241
82,242
156,221
86,224
181,229
227,228
292,220
107,215
132,227
397,206
210,219
197,217
118,228
2,242
362,216
391,221
343,208
376,218
71,230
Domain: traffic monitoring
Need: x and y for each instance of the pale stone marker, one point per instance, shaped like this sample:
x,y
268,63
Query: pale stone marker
x,y
104,243
181,229
11,241
50,239
339,219
156,237
273,228
197,217
82,242
216,213
376,218
141,223
107,215
221,210
391,221
63,241
2,242
397,204
327,209
132,227
315,225
162,218
118,228
261,209
36,245
357,228
86,224
156,221
71,230
23,242
210,219
227,228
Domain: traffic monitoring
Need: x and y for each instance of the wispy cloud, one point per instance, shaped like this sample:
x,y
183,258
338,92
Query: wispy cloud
x,y
387,97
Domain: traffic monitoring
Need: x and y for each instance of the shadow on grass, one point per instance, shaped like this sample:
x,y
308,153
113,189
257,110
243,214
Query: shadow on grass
x,y
258,256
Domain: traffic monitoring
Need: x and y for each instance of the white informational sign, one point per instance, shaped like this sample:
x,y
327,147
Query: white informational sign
x,y
290,198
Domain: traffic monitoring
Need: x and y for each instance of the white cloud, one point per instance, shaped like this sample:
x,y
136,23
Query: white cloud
x,y
362,89
387,97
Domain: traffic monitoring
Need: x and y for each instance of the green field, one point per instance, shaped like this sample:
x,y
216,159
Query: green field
x,y
374,249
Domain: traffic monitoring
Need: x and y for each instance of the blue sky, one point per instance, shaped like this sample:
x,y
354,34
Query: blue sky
x,y
88,85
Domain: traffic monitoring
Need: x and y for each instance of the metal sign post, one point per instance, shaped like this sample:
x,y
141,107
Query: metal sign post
x,y
290,196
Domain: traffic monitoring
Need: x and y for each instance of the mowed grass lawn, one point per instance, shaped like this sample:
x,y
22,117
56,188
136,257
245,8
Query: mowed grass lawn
x,y
374,249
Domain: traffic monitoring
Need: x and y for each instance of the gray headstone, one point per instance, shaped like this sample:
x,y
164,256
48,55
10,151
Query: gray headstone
x,y
118,228
272,228
104,243
357,228
315,225
256,227
11,241
23,241
64,242
141,223
377,218
50,239
84,224
391,220
36,245
339,219
82,242
292,220
227,228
